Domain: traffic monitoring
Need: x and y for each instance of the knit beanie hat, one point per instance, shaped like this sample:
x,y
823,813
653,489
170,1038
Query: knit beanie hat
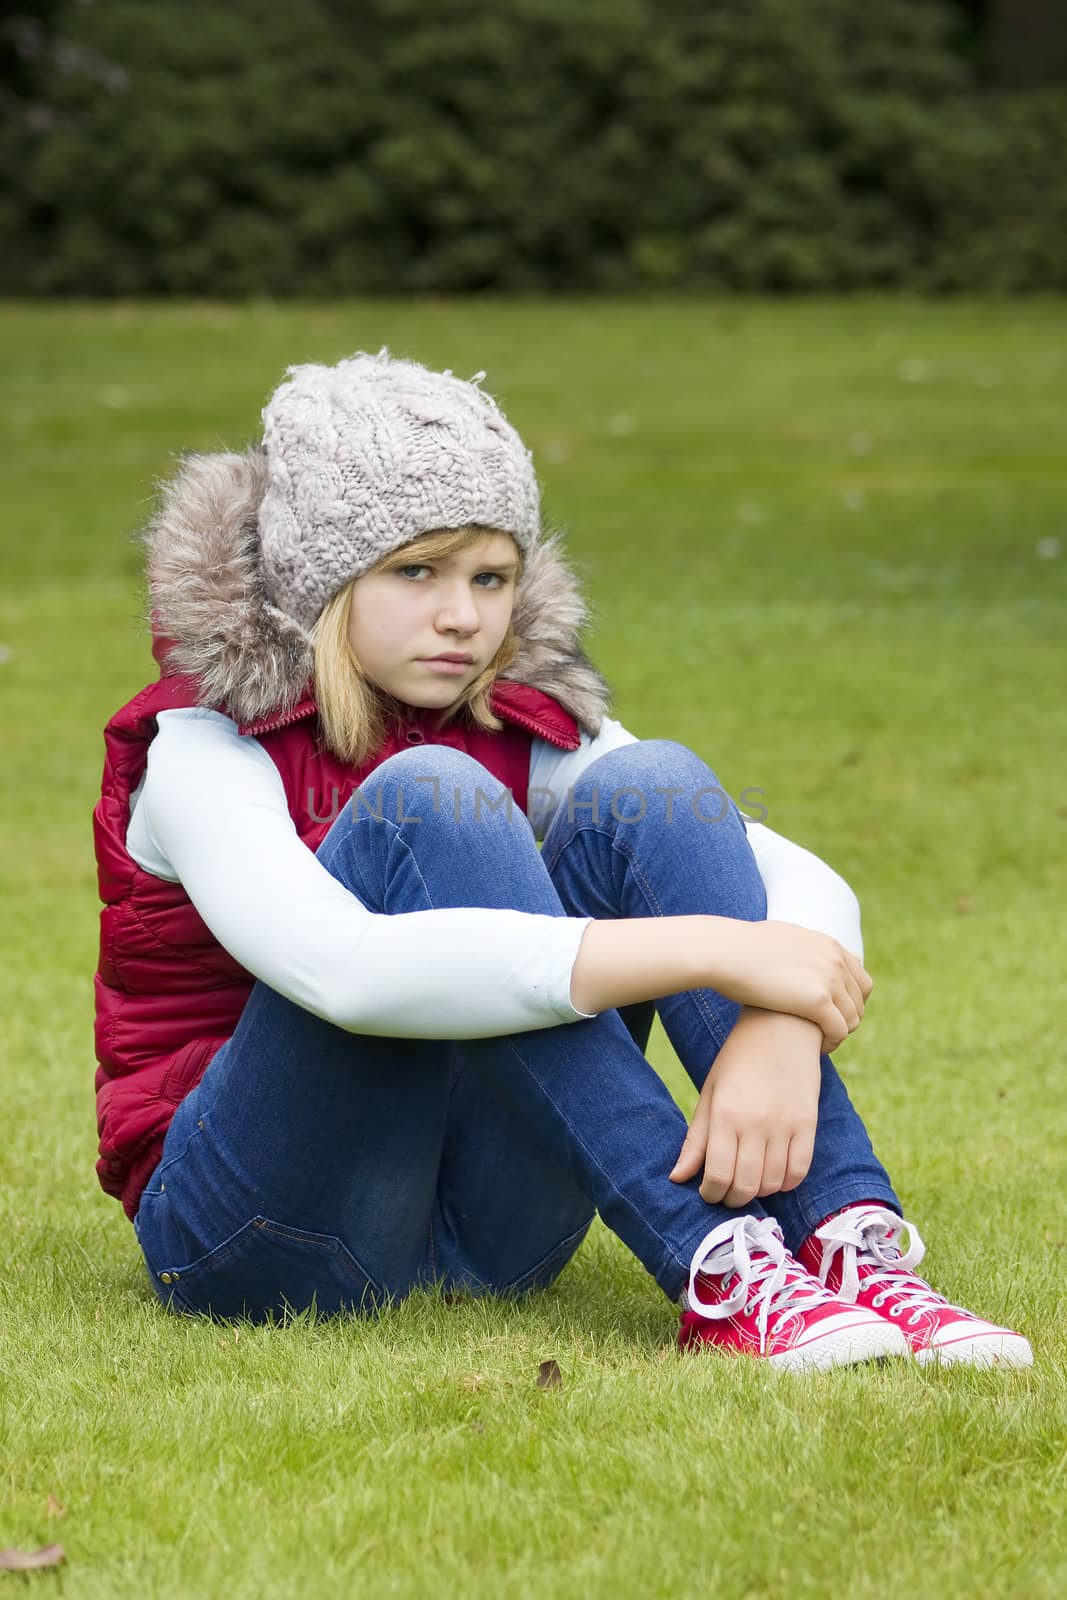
x,y
364,456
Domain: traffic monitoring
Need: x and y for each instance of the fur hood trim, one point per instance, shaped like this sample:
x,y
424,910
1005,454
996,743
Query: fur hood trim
x,y
211,618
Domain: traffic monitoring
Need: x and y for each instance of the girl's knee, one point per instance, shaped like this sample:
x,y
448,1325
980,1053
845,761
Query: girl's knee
x,y
657,776
433,783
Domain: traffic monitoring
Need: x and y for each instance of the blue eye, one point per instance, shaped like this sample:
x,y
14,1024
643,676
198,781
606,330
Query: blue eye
x,y
420,567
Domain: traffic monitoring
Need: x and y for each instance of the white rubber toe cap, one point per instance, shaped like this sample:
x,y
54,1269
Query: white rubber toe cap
x,y
981,1345
842,1340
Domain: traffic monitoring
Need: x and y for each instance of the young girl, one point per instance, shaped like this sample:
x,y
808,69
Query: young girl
x,y
355,1032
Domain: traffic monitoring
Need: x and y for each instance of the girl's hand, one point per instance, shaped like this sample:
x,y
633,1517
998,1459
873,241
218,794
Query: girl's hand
x,y
753,1131
779,966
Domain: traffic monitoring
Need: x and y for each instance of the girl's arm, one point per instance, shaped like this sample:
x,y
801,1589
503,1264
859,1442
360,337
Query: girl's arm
x,y
773,966
213,815
802,888
754,1127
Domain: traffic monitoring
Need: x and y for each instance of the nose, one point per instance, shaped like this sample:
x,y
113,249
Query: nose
x,y
457,612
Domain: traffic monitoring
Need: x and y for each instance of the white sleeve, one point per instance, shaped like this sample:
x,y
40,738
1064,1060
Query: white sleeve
x,y
553,771
212,815
800,887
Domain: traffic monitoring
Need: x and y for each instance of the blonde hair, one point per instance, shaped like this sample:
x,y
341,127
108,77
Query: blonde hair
x,y
353,710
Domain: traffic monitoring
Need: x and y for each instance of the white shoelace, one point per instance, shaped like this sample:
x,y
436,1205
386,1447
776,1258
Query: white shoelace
x,y
762,1284
870,1236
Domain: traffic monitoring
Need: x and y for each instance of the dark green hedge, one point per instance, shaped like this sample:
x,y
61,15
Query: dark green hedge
x,y
231,147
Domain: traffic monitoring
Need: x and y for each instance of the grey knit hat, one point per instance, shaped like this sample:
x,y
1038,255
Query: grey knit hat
x,y
364,456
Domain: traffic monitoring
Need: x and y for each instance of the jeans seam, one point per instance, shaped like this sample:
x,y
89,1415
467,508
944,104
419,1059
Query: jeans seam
x,y
695,995
700,1005
593,1161
412,857
521,1278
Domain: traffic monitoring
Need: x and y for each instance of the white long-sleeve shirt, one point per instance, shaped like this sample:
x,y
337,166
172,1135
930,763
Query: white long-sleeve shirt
x,y
211,813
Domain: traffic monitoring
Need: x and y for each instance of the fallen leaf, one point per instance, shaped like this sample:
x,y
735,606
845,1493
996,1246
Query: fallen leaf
x,y
964,904
54,1509
549,1375
49,1555
473,1380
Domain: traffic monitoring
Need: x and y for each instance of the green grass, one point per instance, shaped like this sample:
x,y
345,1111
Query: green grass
x,y
827,548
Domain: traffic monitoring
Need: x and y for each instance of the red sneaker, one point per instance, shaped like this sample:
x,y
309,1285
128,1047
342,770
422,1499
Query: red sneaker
x,y
748,1296
857,1254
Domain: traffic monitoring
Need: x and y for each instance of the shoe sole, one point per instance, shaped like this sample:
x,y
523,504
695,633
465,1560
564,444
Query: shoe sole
x,y
979,1350
866,1341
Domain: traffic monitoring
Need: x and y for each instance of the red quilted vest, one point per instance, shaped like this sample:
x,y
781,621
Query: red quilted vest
x,y
167,993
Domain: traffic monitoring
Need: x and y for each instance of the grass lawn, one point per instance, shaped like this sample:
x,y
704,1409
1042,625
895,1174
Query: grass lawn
x,y
826,544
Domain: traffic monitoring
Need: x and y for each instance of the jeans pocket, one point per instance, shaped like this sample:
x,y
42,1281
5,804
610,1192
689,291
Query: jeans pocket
x,y
266,1269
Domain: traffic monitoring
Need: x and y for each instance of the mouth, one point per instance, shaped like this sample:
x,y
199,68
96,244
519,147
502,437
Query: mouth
x,y
455,657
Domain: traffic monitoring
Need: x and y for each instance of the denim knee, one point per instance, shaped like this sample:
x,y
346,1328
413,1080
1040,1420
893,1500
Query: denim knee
x,y
637,836
433,782
634,779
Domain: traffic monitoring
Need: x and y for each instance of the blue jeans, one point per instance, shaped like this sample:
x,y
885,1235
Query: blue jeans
x,y
315,1165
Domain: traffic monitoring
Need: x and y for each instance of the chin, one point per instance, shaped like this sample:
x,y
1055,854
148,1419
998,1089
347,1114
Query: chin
x,y
433,697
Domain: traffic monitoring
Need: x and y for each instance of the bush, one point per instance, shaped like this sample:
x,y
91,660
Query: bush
x,y
158,147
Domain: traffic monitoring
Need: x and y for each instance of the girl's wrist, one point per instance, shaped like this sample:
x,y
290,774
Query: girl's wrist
x,y
784,1020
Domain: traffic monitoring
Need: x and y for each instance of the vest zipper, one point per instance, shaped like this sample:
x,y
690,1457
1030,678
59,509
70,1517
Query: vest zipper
x,y
296,715
532,726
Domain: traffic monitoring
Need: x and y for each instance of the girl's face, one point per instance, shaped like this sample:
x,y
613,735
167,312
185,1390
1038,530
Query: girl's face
x,y
460,604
